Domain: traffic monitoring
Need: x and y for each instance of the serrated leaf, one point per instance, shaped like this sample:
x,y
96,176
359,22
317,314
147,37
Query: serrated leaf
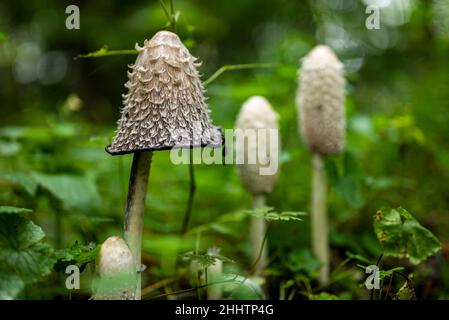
x,y
24,258
78,254
74,191
14,210
401,235
205,259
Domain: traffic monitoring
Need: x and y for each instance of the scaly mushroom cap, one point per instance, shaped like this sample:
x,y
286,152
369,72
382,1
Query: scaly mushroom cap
x,y
257,113
115,271
320,101
165,106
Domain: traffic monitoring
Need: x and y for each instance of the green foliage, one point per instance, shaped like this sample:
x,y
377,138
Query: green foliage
x,y
406,292
23,180
401,235
268,214
24,257
78,254
205,259
74,191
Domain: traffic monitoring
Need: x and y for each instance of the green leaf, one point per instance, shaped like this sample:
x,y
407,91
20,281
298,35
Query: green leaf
x,y
346,179
24,258
6,209
74,191
205,259
303,261
78,254
269,215
401,235
21,179
383,274
323,296
3,37
406,292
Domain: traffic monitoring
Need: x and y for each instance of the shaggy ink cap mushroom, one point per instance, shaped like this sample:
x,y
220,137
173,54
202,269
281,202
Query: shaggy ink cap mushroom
x,y
320,101
165,105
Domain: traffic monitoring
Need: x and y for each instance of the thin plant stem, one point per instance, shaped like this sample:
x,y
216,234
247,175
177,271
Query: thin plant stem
x,y
389,286
377,264
104,53
225,68
173,15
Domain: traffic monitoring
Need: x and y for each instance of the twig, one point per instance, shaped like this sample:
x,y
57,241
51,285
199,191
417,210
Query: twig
x,y
225,68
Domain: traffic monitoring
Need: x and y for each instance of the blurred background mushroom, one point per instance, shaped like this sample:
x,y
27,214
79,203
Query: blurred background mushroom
x,y
255,124
322,122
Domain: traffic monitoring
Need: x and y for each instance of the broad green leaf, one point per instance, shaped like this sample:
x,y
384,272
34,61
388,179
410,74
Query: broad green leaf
x,y
21,179
74,191
3,37
24,258
6,209
401,235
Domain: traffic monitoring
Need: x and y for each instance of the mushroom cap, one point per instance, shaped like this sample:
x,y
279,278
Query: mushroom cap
x,y
165,106
257,113
320,101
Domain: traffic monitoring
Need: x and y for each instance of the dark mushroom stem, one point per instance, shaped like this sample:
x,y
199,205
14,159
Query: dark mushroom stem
x,y
135,207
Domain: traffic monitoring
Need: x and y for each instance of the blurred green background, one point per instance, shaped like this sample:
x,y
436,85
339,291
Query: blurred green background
x,y
58,113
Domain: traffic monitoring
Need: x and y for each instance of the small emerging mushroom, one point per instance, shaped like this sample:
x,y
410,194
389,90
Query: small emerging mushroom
x,y
257,113
320,102
164,108
115,271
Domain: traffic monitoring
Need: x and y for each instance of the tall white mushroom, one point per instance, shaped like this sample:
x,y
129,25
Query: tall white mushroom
x,y
321,117
164,108
257,122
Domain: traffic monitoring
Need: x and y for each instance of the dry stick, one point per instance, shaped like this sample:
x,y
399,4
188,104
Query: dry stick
x,y
135,208
320,243
258,229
